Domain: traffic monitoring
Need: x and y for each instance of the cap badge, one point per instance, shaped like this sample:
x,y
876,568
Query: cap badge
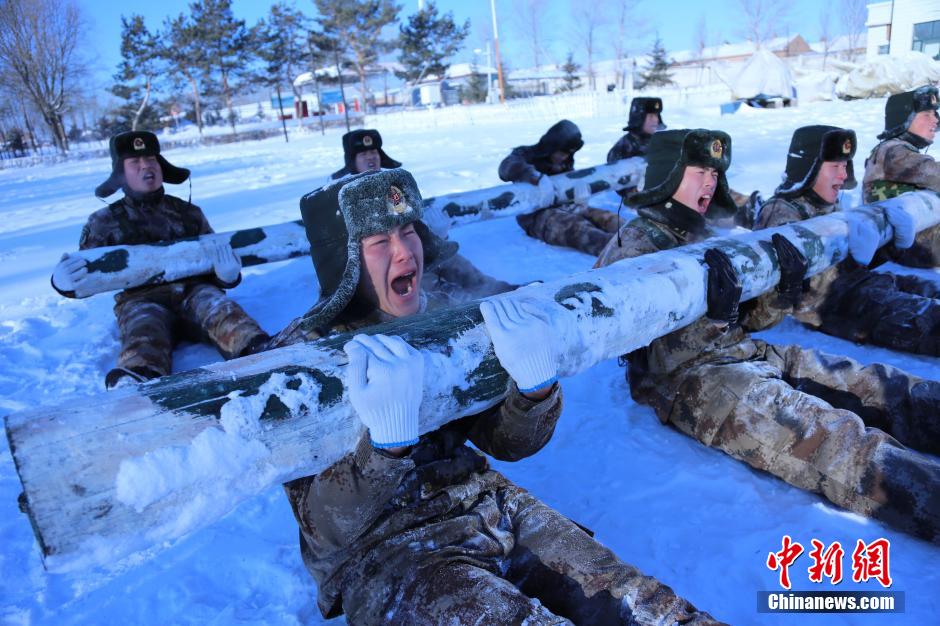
x,y
139,143
847,146
396,200
367,141
716,149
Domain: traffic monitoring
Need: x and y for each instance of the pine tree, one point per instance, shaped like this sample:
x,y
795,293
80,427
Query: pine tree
x,y
140,64
281,44
186,60
570,68
427,40
475,88
657,70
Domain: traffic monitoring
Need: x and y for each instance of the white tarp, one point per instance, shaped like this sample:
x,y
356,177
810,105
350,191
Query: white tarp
x,y
763,73
886,75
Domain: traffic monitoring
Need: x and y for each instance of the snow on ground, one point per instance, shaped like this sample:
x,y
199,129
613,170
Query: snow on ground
x,y
689,515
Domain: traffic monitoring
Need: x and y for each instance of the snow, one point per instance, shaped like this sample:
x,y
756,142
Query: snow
x,y
691,516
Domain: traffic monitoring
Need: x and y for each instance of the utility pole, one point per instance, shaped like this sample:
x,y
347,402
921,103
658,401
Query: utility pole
x,y
499,66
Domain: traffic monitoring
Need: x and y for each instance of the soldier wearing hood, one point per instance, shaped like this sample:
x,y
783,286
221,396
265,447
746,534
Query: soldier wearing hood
x,y
584,228
149,317
416,528
847,300
646,118
823,423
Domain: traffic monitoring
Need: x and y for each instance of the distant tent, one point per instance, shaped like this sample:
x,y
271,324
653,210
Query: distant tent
x,y
764,73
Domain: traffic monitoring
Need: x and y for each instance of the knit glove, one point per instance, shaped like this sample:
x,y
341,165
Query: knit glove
x,y
793,266
546,191
386,383
581,193
523,340
69,274
225,263
436,220
724,288
863,239
903,225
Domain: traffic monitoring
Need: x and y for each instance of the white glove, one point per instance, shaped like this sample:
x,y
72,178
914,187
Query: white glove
x,y
386,383
435,219
546,192
903,225
582,193
69,274
225,263
523,340
863,239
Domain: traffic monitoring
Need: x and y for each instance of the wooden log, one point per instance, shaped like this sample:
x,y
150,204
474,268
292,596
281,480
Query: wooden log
x,y
122,267
130,469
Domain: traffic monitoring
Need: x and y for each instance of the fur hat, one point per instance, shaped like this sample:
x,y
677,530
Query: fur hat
x,y
133,144
639,107
338,216
809,148
362,140
564,136
901,108
670,151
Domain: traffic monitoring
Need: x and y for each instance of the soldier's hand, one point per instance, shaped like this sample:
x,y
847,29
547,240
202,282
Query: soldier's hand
x,y
863,237
724,288
385,378
438,221
546,192
581,193
903,225
793,266
225,263
70,273
524,341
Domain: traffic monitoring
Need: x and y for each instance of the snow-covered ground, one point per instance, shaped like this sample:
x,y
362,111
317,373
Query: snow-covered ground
x,y
691,516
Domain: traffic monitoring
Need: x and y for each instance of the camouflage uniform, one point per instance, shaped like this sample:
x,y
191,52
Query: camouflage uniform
x,y
809,418
632,144
148,317
580,227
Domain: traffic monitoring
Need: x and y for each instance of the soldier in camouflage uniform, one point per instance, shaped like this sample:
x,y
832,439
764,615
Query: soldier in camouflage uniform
x,y
645,119
583,228
822,423
456,276
847,300
417,530
149,318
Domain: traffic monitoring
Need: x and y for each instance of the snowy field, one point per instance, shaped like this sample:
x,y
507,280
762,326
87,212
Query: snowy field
x,y
691,516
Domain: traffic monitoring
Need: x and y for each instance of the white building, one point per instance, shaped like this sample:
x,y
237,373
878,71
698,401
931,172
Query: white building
x,y
896,26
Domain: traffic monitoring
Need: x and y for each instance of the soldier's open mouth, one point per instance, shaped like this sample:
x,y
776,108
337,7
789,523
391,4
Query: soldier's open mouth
x,y
404,284
149,176
703,202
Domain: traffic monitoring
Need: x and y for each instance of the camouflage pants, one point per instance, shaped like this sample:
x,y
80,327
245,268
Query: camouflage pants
x,y
151,322
585,229
507,559
819,422
899,312
459,281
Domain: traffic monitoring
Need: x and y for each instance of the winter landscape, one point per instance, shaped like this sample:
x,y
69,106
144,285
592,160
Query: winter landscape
x,y
690,516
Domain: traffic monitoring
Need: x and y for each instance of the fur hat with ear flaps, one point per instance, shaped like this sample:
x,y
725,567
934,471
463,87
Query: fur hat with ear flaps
x,y
338,216
809,148
901,108
639,107
363,140
134,144
670,151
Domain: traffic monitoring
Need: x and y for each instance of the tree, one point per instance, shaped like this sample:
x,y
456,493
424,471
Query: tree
x,y
281,44
572,79
589,20
475,90
530,15
140,54
39,44
355,26
762,18
825,31
657,69
854,15
629,28
186,58
427,41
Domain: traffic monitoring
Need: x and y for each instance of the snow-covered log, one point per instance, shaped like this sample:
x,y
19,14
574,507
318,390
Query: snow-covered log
x,y
122,267
127,470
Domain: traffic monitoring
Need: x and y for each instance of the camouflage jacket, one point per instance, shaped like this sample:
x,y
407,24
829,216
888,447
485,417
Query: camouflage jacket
x,y
631,144
896,166
153,218
525,164
369,496
663,227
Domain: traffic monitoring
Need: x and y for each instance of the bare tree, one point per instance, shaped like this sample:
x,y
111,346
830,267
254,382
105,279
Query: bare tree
x,y
39,43
761,19
530,17
825,30
588,23
629,27
854,15
700,44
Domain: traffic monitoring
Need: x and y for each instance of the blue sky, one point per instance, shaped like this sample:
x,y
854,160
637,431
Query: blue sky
x,y
676,21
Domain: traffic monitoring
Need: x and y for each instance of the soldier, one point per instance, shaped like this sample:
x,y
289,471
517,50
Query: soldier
x,y
585,228
457,276
645,119
416,529
846,300
820,422
149,316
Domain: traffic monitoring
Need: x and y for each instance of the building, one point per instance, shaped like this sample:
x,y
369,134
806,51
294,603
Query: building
x,y
896,26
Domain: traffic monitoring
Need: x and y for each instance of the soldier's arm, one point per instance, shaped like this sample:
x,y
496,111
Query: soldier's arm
x,y
515,169
517,427
628,243
776,213
904,164
616,153
96,232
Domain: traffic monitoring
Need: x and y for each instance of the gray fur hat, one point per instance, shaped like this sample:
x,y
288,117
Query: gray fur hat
x,y
338,216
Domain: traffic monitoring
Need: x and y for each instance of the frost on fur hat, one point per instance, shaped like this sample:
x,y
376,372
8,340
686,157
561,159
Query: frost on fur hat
x,y
901,108
135,144
338,216
809,148
670,151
